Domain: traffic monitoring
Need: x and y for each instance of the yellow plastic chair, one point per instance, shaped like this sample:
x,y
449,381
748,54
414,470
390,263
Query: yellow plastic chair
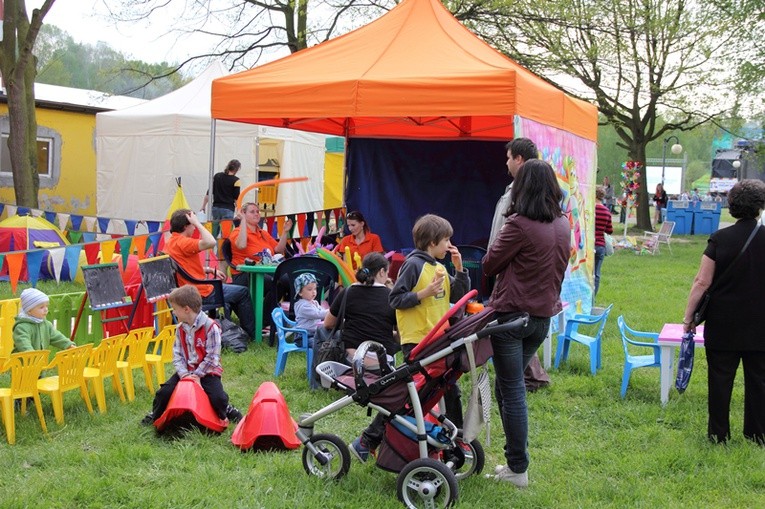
x,y
162,352
103,364
70,365
25,369
133,356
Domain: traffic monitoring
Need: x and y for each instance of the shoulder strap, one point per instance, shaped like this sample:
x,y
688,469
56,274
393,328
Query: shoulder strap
x,y
341,314
727,271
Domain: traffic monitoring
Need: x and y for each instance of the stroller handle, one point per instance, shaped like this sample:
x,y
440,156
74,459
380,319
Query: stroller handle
x,y
361,352
519,322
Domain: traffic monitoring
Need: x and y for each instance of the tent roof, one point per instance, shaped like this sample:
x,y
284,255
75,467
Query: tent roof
x,y
416,72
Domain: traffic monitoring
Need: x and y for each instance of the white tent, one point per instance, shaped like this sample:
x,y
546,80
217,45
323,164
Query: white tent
x,y
141,150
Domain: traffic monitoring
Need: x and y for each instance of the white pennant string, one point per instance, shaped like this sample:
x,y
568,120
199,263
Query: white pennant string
x,y
57,258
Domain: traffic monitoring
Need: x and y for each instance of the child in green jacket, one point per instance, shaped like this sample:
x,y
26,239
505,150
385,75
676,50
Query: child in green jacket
x,y
31,330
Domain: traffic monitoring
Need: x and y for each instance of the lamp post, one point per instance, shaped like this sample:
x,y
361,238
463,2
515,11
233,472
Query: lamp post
x,y
736,165
676,149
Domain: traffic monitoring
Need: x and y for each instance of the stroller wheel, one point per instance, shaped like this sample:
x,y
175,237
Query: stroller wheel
x,y
467,458
426,482
332,459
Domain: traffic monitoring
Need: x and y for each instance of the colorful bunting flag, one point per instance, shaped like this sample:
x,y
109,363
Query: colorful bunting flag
x,y
90,223
125,245
50,216
63,221
15,264
11,210
107,251
103,224
130,226
76,221
140,246
91,252
73,259
34,260
152,226
57,261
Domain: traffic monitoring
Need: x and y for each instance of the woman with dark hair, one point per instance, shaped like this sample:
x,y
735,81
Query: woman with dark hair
x,y
367,312
360,240
733,331
225,192
529,258
660,202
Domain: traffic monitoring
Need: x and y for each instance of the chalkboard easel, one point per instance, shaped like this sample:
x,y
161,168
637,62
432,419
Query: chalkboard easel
x,y
104,288
157,280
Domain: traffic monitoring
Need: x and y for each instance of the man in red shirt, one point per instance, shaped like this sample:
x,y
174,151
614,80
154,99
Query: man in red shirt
x,y
185,249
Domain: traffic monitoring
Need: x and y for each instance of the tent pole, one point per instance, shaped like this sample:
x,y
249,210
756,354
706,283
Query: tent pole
x,y
212,169
210,182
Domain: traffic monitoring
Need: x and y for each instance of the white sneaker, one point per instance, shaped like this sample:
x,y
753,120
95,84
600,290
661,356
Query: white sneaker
x,y
503,473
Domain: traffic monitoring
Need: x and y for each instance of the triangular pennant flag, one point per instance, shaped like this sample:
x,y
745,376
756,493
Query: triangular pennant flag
x,y
90,223
35,212
75,237
140,246
88,236
309,222
91,252
209,225
300,226
57,261
107,251
2,207
34,260
125,244
225,227
15,264
76,221
11,210
2,260
279,226
63,221
130,226
315,229
320,218
270,221
22,211
73,259
152,226
50,216
154,238
304,241
103,224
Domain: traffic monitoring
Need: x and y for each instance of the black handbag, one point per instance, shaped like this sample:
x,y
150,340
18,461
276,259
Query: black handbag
x,y
700,313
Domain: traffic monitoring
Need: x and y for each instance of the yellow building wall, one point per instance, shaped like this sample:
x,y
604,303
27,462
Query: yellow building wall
x,y
75,191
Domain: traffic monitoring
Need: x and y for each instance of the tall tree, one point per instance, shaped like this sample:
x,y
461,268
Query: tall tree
x,y
18,70
634,58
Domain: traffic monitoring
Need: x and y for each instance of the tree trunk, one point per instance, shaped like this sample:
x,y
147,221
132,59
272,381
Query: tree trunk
x,y
642,213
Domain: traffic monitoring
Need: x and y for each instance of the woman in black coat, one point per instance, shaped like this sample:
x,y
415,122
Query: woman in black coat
x,y
734,330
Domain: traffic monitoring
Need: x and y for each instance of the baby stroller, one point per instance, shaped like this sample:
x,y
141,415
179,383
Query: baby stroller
x,y
428,457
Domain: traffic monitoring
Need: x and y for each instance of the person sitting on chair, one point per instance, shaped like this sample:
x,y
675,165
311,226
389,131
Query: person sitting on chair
x,y
196,356
248,240
185,249
308,312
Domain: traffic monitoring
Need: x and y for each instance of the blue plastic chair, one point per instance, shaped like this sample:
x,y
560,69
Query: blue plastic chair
x,y
592,342
284,326
637,361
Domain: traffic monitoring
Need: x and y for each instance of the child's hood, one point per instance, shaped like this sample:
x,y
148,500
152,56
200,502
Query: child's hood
x,y
422,255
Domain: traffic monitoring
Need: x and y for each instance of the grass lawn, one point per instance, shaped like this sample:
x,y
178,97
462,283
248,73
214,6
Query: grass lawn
x,y
588,447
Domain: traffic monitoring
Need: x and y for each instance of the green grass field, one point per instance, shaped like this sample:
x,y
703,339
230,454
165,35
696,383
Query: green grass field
x,y
588,447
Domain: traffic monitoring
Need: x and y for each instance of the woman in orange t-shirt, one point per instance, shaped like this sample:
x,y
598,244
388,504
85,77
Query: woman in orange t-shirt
x,y
360,240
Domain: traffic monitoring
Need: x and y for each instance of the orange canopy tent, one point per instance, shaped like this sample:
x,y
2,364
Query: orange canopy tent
x,y
415,73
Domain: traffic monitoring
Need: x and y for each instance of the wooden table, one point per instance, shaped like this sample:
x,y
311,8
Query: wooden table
x,y
257,277
670,337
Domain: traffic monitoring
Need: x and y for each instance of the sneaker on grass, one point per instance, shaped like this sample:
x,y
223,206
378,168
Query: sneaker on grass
x,y
360,450
504,474
233,414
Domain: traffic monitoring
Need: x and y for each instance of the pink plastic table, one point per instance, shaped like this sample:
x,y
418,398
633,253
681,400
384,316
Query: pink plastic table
x,y
670,337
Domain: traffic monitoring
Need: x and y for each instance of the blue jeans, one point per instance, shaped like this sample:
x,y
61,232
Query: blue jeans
x,y
512,352
600,254
217,214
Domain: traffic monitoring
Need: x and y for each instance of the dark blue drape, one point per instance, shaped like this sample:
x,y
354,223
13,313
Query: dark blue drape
x,y
393,182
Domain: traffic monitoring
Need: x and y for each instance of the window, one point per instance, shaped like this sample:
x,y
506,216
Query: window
x,y
48,156
44,152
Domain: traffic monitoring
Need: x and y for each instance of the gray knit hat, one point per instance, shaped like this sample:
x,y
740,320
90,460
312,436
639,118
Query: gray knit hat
x,y
31,298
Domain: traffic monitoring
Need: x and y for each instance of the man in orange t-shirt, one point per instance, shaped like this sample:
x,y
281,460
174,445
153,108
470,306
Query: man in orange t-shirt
x,y
185,249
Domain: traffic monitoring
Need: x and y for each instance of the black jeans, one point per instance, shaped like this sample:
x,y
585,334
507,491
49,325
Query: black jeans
x,y
211,384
